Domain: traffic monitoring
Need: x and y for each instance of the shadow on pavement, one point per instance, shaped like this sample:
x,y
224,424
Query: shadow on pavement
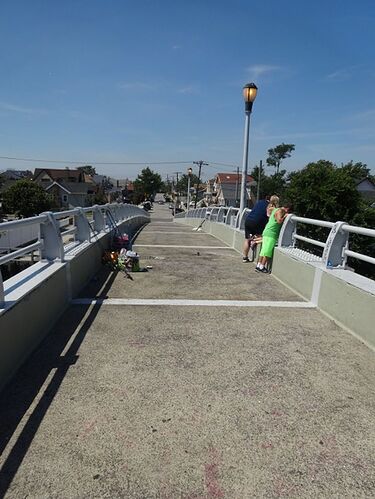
x,y
19,394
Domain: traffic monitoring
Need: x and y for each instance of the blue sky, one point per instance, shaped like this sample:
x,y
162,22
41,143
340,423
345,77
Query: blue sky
x,y
161,80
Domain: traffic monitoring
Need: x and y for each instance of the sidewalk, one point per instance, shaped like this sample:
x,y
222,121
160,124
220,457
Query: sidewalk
x,y
163,400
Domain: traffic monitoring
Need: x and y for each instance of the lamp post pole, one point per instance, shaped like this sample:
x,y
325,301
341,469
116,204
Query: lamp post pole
x,y
259,176
249,92
190,171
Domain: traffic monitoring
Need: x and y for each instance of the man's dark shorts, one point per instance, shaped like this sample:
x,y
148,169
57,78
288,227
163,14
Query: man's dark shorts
x,y
252,229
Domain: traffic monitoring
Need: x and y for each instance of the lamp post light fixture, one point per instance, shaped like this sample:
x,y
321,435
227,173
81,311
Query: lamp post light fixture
x,y
189,173
249,94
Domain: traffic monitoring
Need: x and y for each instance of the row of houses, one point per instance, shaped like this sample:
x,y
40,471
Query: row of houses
x,y
70,188
224,190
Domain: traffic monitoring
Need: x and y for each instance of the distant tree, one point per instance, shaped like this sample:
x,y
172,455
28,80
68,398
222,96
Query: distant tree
x,y
270,184
358,171
323,191
166,187
183,183
26,198
278,153
90,170
147,184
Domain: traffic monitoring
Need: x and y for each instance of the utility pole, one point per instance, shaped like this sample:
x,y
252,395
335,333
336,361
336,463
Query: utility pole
x,y
200,164
259,174
176,198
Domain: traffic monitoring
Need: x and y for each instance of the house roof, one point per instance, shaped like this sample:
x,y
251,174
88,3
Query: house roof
x,y
366,181
231,178
88,178
56,174
15,174
72,187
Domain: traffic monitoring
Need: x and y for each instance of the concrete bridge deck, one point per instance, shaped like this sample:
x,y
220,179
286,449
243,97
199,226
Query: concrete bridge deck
x,y
149,399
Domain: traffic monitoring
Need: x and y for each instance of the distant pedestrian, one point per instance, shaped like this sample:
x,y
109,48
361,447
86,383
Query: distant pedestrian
x,y
270,236
255,223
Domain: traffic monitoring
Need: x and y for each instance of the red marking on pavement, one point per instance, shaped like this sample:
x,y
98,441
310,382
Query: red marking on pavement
x,y
267,445
277,413
88,427
211,477
283,489
136,344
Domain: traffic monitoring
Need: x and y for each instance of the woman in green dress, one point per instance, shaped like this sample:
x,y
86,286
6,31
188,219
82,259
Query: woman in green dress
x,y
270,236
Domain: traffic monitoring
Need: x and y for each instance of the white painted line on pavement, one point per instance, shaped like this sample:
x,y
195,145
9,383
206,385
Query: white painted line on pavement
x,y
178,246
165,232
192,303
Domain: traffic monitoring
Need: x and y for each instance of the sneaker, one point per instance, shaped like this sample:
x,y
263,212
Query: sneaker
x,y
257,269
245,259
263,270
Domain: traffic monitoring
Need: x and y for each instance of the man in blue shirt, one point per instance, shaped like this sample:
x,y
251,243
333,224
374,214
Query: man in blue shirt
x,y
255,222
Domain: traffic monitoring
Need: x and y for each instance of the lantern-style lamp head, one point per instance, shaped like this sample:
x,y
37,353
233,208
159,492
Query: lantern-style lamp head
x,y
190,171
249,94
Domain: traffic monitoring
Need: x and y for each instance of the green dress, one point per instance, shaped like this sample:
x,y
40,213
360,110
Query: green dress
x,y
270,236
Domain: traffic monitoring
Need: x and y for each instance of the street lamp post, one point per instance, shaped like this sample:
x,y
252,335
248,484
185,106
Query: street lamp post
x,y
249,93
190,171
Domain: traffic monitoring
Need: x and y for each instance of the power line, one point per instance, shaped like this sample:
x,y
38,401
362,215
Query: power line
x,y
70,162
98,162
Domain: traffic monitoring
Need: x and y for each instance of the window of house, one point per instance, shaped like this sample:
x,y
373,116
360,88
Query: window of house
x,y
65,198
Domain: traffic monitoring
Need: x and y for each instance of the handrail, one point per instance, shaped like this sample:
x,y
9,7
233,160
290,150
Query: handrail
x,y
50,230
23,222
309,240
20,252
335,247
313,221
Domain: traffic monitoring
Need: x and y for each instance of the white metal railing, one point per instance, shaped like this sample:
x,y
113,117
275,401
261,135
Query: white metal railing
x,y
335,246
53,229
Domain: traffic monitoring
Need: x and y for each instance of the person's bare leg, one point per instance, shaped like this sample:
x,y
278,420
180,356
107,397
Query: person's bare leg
x,y
262,262
245,250
246,247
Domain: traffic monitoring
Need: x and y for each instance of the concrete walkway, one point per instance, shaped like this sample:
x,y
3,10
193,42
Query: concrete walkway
x,y
196,398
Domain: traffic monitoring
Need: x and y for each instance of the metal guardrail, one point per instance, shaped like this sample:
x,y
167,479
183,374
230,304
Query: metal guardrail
x,y
80,224
335,248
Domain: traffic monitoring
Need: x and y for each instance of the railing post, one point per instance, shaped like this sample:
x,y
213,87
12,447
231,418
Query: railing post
x,y
240,222
116,214
99,221
108,216
123,211
2,296
333,254
287,232
50,234
83,226
220,214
